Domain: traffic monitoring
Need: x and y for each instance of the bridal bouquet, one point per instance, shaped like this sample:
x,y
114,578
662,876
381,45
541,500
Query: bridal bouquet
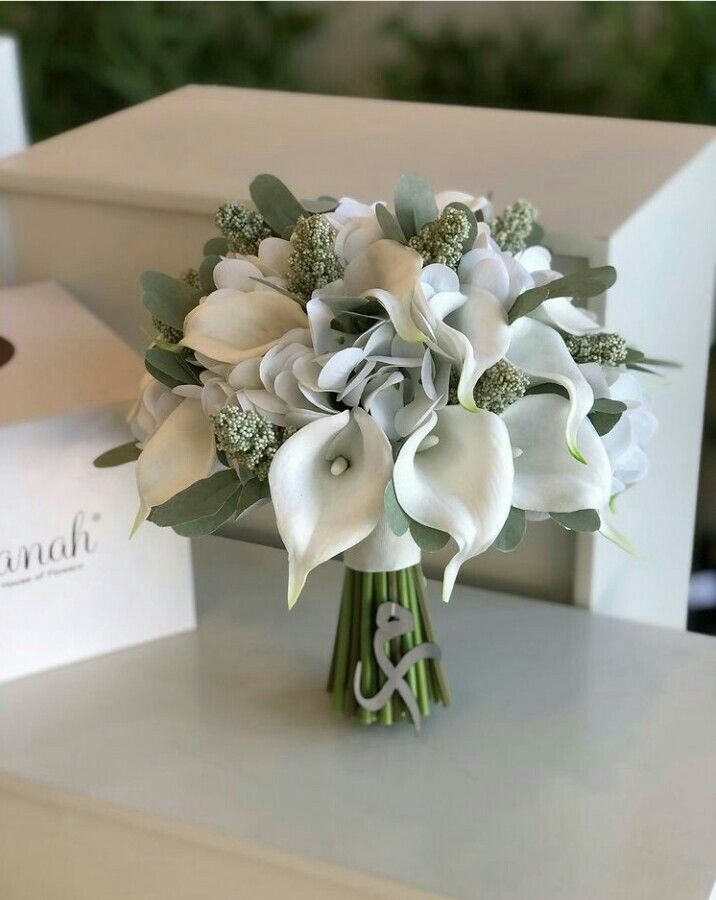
x,y
391,377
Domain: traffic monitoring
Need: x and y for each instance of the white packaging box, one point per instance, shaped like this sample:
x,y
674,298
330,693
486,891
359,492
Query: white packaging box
x,y
138,189
72,584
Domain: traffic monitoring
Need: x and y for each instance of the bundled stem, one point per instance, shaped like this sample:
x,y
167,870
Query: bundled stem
x,y
363,593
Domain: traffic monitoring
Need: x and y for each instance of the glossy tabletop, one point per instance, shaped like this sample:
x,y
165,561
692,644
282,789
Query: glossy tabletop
x,y
578,759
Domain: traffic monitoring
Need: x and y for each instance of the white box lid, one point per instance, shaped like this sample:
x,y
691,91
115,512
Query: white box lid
x,y
196,147
65,358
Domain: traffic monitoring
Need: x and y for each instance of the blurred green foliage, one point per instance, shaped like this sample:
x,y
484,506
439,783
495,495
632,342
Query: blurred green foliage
x,y
85,60
642,60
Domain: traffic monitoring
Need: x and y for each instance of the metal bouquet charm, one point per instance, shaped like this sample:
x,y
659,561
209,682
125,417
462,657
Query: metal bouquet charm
x,y
394,621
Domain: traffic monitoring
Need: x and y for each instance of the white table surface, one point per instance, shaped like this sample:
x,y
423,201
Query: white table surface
x,y
578,760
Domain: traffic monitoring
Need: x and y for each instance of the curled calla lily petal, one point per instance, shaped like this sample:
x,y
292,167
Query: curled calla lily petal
x,y
389,272
539,351
232,326
274,254
480,335
311,502
547,478
237,275
461,484
385,265
179,453
560,313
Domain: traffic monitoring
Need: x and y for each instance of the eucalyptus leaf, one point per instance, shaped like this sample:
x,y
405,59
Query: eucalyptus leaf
x,y
253,493
582,520
161,377
389,224
415,204
666,363
171,364
398,520
201,499
635,368
512,531
633,356
470,239
216,246
603,422
536,236
206,273
604,405
276,203
276,287
428,539
118,456
585,283
320,205
548,387
605,414
209,524
169,299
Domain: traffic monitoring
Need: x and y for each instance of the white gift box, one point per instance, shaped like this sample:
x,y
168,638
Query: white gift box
x,y
72,584
137,190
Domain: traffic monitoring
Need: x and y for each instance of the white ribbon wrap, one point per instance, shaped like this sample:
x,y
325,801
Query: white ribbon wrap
x,y
383,551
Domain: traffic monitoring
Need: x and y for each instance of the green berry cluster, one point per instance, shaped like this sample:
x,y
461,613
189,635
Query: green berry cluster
x,y
513,227
191,277
606,349
313,262
165,332
248,438
497,388
442,241
242,227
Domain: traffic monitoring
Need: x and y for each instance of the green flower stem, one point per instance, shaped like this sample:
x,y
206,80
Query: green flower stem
x,y
408,640
435,665
399,709
363,593
368,663
381,596
337,682
350,703
423,696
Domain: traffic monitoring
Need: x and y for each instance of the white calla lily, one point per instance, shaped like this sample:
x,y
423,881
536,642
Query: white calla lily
x,y
389,272
274,254
540,351
154,403
311,502
231,326
547,478
179,453
461,483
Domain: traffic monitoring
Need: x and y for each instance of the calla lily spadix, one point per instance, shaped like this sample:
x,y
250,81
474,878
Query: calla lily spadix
x,y
180,452
327,484
455,474
230,326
